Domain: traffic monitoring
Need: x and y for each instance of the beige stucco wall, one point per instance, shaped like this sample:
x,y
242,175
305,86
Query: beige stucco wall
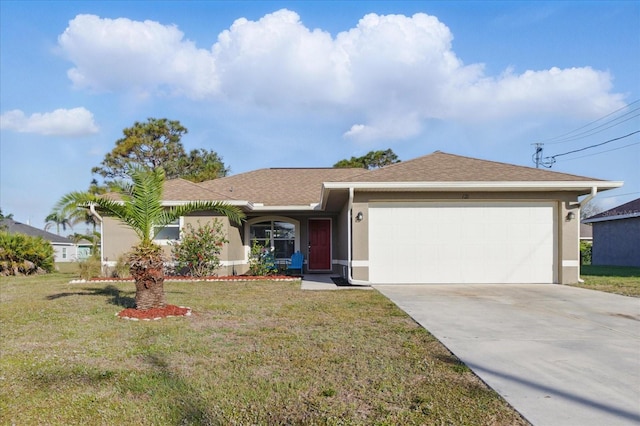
x,y
567,247
119,238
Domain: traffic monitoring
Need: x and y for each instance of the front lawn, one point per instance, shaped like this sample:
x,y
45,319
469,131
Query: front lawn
x,y
612,279
252,353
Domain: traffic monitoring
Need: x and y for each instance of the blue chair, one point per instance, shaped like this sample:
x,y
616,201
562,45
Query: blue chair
x,y
297,259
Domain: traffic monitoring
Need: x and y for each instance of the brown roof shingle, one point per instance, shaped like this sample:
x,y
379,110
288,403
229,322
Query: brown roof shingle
x,y
281,187
443,167
632,208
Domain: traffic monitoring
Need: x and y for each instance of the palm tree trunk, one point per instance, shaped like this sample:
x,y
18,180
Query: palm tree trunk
x,y
149,278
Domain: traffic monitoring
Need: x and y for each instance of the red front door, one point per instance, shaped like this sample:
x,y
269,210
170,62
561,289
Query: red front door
x,y
319,244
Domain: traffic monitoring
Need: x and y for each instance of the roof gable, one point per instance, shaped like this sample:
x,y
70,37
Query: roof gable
x,y
443,167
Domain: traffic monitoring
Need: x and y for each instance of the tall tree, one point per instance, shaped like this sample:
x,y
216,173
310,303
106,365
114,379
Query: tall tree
x,y
369,161
158,143
201,165
141,208
58,218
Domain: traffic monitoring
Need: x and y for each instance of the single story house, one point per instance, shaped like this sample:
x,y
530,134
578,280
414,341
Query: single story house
x,y
440,218
616,236
64,250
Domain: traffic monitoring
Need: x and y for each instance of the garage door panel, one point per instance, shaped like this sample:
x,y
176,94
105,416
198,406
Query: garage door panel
x,y
462,242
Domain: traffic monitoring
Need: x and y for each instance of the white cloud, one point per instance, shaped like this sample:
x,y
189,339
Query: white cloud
x,y
61,122
390,73
121,54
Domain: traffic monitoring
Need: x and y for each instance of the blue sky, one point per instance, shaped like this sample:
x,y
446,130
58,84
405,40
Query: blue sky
x,y
305,84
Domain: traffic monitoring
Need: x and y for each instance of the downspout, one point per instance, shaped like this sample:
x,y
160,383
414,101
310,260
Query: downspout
x,y
594,192
350,243
94,213
349,234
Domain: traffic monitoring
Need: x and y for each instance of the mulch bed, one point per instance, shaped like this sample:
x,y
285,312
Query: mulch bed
x,y
154,313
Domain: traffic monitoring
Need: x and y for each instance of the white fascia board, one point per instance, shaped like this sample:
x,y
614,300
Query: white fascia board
x,y
616,217
476,186
263,208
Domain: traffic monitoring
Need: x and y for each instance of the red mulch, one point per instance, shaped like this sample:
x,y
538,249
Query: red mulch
x,y
154,313
213,278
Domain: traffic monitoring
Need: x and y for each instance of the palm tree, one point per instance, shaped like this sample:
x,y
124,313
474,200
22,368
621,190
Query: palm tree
x,y
141,208
57,218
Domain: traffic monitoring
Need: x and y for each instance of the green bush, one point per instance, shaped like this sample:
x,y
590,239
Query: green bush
x,y
199,249
585,252
261,260
24,255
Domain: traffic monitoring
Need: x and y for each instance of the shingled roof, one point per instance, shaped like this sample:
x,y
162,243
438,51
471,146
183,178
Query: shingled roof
x,y
280,187
624,211
443,167
15,227
306,187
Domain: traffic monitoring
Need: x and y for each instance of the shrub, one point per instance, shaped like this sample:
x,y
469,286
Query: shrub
x,y
585,252
199,249
121,270
24,255
261,260
90,268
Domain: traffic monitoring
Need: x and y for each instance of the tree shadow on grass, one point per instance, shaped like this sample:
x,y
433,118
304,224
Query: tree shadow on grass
x,y
114,294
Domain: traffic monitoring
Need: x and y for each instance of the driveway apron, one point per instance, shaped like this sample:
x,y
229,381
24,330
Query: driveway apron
x,y
559,355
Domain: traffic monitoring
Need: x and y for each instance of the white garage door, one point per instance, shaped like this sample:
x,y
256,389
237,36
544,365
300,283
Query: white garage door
x,y
462,242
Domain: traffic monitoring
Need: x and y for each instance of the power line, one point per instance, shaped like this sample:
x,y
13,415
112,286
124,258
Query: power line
x,y
593,131
549,140
552,159
602,152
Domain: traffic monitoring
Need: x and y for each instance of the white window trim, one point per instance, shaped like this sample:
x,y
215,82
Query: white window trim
x,y
169,242
250,222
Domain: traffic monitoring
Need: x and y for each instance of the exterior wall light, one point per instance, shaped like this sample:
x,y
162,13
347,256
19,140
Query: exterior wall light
x,y
570,216
359,217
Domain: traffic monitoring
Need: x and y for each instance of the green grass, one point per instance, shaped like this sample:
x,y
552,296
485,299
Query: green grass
x,y
252,353
611,279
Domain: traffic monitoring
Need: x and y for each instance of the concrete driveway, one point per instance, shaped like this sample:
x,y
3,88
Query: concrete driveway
x,y
559,355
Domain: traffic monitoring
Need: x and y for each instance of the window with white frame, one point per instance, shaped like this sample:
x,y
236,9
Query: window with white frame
x,y
279,235
169,232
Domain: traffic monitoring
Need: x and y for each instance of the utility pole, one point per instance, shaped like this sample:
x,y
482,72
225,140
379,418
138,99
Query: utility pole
x,y
537,155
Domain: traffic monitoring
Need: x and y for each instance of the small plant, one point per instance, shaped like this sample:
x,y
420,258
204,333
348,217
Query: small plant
x,y
261,260
121,270
90,268
199,249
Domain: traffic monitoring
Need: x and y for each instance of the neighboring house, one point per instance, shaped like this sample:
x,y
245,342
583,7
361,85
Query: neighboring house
x,y
64,249
84,249
586,232
616,236
440,218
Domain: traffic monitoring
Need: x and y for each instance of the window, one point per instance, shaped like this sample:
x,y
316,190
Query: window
x,y
64,252
170,232
279,235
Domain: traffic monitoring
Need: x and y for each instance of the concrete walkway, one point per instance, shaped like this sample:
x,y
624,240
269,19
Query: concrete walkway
x,y
559,355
